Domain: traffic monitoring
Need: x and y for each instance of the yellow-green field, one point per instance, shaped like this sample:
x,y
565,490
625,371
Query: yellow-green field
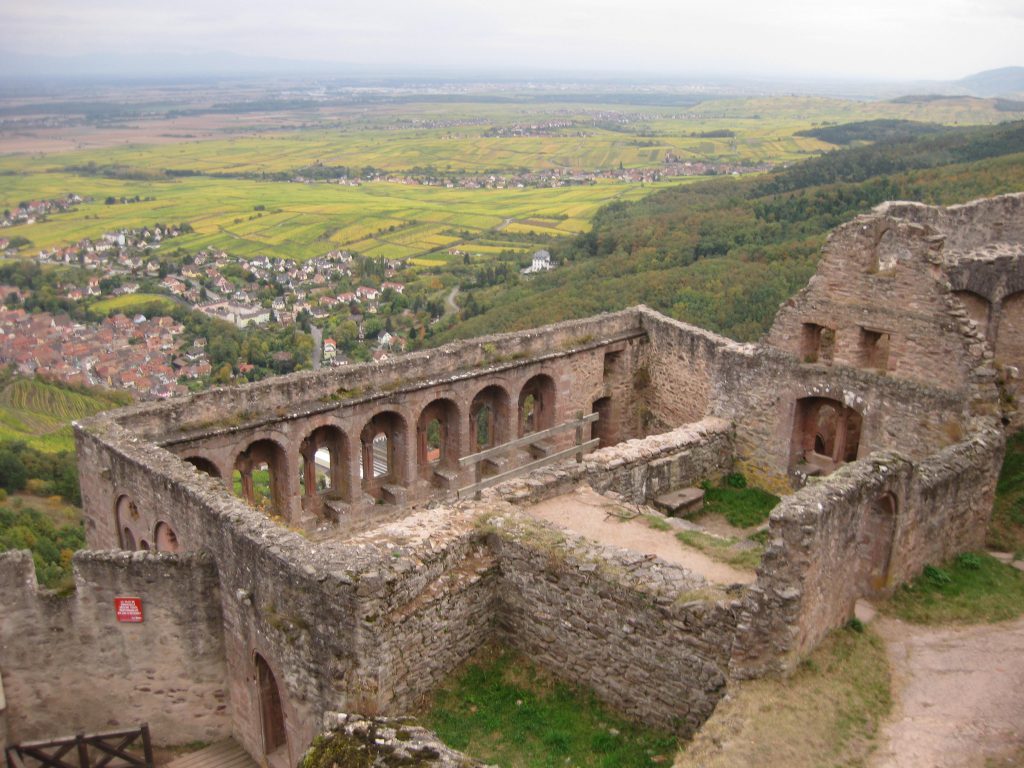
x,y
398,220
130,303
305,220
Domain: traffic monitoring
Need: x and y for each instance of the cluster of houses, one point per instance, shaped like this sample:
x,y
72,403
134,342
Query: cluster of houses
x,y
32,211
303,287
139,354
121,252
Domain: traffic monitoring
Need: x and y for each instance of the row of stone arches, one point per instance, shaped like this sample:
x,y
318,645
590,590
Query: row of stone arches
x,y
389,453
135,533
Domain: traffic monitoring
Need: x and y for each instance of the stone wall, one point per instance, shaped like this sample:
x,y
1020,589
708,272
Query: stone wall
x,y
861,532
652,640
68,665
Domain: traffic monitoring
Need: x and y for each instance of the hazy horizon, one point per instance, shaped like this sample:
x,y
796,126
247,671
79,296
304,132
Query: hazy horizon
x,y
793,39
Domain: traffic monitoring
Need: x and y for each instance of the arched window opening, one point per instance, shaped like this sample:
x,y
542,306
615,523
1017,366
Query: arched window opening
x,y
483,426
144,545
382,456
165,538
537,404
323,464
126,521
1009,337
271,711
383,441
437,436
489,417
258,476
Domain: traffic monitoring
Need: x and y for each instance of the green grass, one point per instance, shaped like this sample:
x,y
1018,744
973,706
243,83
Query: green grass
x,y
827,713
501,709
131,303
725,550
971,588
1006,531
740,505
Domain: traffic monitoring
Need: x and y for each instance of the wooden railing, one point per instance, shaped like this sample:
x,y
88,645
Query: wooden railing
x,y
114,749
529,440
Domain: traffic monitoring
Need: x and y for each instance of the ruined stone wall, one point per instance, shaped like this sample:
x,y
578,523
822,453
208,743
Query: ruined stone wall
x,y
880,274
862,531
282,393
425,603
69,666
756,388
676,383
279,593
638,470
649,638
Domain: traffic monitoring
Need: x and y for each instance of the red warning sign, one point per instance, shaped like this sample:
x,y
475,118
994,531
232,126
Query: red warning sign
x,y
128,609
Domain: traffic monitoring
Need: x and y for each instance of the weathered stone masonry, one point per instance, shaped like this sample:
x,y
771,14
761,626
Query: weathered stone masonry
x,y
875,409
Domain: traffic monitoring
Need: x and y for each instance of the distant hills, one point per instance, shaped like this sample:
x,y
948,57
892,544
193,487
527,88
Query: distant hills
x,y
1006,81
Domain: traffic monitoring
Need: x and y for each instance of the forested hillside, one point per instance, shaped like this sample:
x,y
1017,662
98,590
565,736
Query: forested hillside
x,y
723,254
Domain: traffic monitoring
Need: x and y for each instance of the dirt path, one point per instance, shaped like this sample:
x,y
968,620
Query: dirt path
x,y
959,695
586,513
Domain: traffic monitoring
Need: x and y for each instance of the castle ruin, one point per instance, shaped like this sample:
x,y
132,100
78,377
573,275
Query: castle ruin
x,y
327,541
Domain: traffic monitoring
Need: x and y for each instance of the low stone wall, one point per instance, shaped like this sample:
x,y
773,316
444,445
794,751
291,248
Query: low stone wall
x,y
351,740
638,469
652,640
68,665
864,530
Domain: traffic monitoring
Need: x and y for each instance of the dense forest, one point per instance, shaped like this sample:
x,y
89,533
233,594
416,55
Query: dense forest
x,y
724,253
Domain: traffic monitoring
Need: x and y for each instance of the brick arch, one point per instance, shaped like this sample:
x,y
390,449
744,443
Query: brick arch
x,y
489,417
536,409
204,464
270,453
332,480
443,447
384,441
165,538
131,528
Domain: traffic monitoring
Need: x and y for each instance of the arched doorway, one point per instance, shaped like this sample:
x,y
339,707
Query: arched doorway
x,y
271,711
602,429
826,434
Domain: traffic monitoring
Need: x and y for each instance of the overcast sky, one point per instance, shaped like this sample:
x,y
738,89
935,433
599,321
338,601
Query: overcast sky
x,y
883,39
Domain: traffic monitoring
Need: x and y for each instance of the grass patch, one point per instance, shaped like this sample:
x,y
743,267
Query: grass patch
x,y
657,523
502,709
1006,531
826,714
741,505
726,550
130,303
970,589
